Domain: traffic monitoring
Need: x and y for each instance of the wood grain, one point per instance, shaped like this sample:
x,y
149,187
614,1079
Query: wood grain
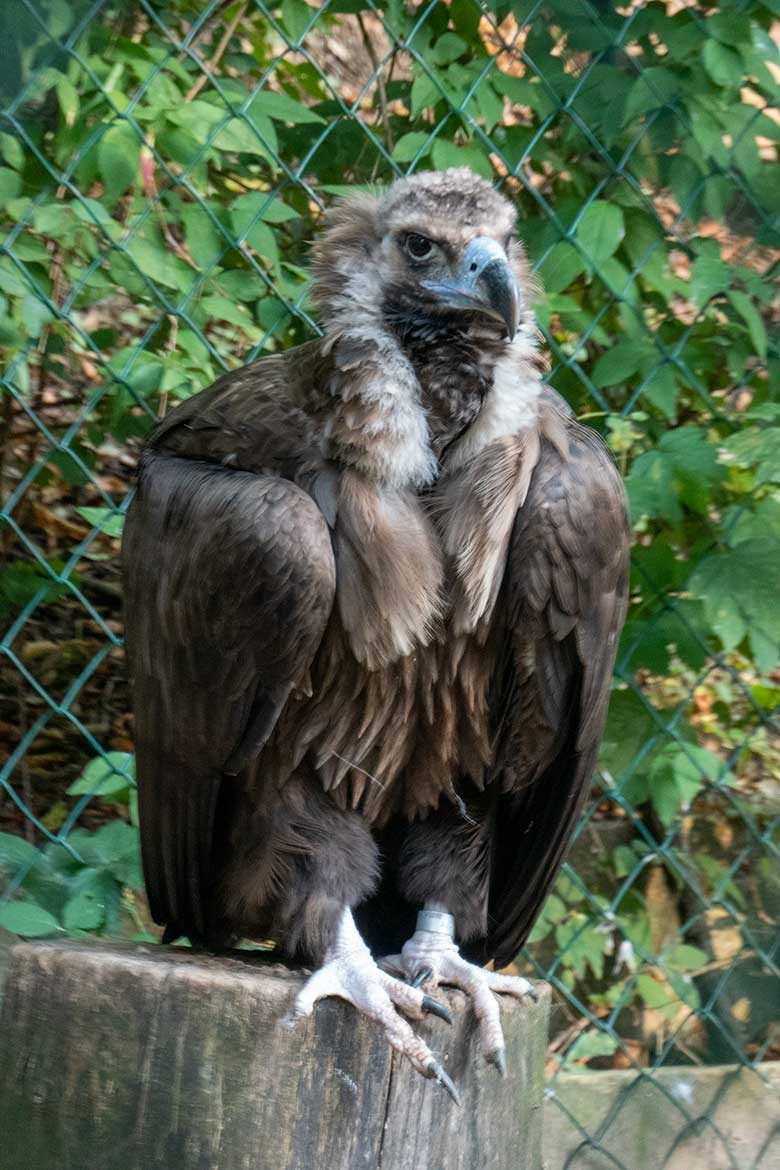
x,y
123,1057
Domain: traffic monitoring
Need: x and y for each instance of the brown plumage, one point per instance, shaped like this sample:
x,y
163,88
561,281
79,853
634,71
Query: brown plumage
x,y
374,592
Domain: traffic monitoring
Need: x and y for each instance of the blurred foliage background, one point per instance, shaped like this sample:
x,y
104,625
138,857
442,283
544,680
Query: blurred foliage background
x,y
164,167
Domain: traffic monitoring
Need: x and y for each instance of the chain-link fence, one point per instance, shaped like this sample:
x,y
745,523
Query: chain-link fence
x,y
164,168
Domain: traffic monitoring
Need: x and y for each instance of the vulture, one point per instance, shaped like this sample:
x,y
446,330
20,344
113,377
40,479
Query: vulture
x,y
374,590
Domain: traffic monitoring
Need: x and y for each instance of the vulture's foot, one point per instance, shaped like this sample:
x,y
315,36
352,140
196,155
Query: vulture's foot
x,y
350,973
431,958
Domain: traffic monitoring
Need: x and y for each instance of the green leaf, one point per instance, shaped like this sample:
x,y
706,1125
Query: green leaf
x,y
16,853
28,920
155,262
662,390
278,212
12,151
758,448
630,727
654,87
296,17
10,185
226,310
238,136
410,145
105,775
618,364
425,92
198,117
681,470
446,49
104,519
446,154
68,98
84,911
283,108
118,153
204,240
709,276
656,996
747,310
723,65
561,267
685,957
590,1044
601,230
678,774
738,587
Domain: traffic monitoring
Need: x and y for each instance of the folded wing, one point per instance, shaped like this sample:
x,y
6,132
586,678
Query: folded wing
x,y
229,584
565,602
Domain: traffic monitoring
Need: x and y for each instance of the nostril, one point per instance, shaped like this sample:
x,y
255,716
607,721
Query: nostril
x,y
473,267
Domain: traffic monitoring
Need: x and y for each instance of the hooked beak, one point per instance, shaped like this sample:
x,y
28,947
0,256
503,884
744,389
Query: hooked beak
x,y
485,282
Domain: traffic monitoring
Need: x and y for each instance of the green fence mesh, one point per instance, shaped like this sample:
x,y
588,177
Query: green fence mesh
x,y
164,166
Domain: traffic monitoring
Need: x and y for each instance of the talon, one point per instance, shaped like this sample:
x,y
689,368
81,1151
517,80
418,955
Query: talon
x,y
435,1072
434,1008
422,976
498,1059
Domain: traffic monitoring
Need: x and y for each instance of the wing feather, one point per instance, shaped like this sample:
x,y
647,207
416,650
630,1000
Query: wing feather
x,y
565,597
229,584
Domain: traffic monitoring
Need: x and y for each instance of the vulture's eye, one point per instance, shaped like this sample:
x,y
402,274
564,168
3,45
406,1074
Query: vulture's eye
x,y
418,246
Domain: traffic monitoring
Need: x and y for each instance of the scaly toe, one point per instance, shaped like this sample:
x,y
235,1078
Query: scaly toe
x,y
514,985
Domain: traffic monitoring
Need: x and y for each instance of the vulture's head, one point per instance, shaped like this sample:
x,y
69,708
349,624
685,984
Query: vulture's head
x,y
435,251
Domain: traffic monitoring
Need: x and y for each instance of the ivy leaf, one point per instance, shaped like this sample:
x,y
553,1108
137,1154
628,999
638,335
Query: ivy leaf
x,y
28,920
601,229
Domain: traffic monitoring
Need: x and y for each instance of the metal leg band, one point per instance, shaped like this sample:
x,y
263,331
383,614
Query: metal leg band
x,y
436,922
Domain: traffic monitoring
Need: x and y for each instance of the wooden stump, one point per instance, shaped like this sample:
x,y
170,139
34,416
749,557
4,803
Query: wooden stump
x,y
139,1057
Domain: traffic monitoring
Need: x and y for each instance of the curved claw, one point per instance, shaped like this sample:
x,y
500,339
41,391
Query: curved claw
x,y
434,1008
498,1059
435,1072
422,976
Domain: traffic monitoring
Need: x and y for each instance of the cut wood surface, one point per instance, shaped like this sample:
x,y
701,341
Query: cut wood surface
x,y
131,1057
